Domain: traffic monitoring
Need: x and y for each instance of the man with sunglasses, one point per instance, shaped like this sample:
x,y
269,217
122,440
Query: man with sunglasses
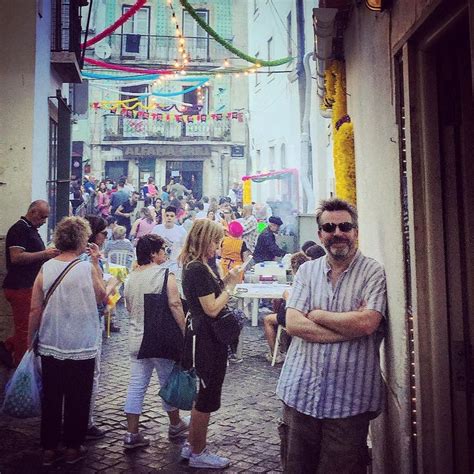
x,y
25,253
331,385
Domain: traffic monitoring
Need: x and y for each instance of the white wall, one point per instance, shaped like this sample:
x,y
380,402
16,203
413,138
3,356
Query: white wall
x,y
371,107
274,103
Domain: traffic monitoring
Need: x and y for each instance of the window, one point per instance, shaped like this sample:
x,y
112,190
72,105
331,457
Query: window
x,y
52,175
257,79
270,53
136,34
197,40
289,33
271,158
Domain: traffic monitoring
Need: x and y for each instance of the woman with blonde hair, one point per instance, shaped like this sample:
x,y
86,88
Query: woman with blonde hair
x,y
207,295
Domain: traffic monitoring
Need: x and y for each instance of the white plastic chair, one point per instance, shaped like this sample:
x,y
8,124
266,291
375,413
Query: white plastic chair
x,y
120,257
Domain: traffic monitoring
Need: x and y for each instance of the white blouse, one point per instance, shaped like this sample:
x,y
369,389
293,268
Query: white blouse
x,y
69,326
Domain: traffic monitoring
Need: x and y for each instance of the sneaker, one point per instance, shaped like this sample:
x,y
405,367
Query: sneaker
x,y
206,460
51,457
94,433
114,328
75,455
279,358
176,430
186,451
132,440
234,359
6,356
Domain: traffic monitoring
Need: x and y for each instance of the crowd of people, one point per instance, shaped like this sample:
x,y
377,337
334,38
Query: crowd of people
x,y
330,384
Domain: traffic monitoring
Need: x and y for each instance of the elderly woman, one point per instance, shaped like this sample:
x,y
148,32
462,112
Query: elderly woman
x,y
68,329
206,295
148,278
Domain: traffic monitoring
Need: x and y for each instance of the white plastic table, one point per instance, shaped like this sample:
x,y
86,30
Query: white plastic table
x,y
258,291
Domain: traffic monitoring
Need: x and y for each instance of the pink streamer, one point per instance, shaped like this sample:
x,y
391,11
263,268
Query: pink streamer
x,y
120,67
110,29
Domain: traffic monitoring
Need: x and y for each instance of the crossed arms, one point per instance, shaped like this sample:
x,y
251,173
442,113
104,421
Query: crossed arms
x,y
326,326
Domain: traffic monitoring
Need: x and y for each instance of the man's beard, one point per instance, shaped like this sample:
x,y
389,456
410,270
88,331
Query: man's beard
x,y
340,253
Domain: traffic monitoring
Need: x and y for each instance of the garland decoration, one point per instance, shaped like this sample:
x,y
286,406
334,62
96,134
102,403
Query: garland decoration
x,y
343,132
119,22
110,77
120,67
145,113
259,62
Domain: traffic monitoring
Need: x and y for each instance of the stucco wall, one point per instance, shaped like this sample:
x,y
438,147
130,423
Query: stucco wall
x,y
372,110
17,78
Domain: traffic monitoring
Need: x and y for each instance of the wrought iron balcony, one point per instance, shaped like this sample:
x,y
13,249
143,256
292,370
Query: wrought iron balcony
x,y
117,128
66,39
159,49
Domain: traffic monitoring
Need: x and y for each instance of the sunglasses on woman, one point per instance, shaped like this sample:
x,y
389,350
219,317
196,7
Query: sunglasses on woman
x,y
329,227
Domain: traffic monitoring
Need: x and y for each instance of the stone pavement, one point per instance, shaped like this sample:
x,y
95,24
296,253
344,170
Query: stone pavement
x,y
244,429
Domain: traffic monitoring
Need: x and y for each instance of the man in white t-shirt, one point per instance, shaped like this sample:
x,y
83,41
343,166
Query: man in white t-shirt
x,y
174,236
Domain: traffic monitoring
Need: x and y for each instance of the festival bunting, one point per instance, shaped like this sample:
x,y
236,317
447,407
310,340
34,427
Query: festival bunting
x,y
170,117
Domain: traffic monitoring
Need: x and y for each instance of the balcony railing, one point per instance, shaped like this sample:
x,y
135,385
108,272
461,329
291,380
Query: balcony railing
x,y
66,39
118,128
66,27
164,48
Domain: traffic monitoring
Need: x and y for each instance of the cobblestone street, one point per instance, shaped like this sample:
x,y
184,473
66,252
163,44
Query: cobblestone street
x,y
244,429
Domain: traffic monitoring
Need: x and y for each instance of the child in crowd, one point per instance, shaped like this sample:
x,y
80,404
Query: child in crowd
x,y
233,248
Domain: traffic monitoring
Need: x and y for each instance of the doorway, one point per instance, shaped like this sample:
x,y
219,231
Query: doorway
x,y
456,122
190,171
442,120
116,169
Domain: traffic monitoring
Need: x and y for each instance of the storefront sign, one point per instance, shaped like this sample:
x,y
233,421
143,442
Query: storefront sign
x,y
157,151
237,151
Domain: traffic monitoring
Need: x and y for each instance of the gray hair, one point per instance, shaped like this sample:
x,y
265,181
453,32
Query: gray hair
x,y
336,204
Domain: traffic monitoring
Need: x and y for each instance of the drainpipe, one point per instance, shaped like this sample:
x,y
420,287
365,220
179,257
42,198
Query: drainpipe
x,y
303,81
306,157
323,21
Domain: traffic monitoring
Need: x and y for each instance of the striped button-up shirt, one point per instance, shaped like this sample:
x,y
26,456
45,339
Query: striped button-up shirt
x,y
343,379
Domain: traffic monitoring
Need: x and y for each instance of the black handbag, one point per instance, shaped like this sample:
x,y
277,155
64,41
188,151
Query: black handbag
x,y
227,326
162,337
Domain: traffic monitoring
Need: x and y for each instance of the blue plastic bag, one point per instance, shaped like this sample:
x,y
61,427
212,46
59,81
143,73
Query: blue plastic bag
x,y
180,388
23,391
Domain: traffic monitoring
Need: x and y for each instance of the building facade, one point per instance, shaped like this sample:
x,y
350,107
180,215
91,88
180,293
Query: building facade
x,y
165,142
285,126
40,53
409,76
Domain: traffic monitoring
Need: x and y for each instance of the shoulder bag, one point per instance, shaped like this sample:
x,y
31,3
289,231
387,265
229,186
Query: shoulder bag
x,y
227,326
180,389
162,337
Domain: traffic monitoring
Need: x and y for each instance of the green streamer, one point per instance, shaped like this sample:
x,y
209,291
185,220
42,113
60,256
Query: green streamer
x,y
277,62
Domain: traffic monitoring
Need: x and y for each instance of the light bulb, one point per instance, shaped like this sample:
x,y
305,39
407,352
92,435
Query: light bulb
x,y
226,63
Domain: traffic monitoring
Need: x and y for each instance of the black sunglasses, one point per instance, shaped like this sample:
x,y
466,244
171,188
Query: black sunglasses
x,y
329,227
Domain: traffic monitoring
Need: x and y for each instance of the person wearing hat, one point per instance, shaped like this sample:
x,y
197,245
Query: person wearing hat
x,y
233,249
267,249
